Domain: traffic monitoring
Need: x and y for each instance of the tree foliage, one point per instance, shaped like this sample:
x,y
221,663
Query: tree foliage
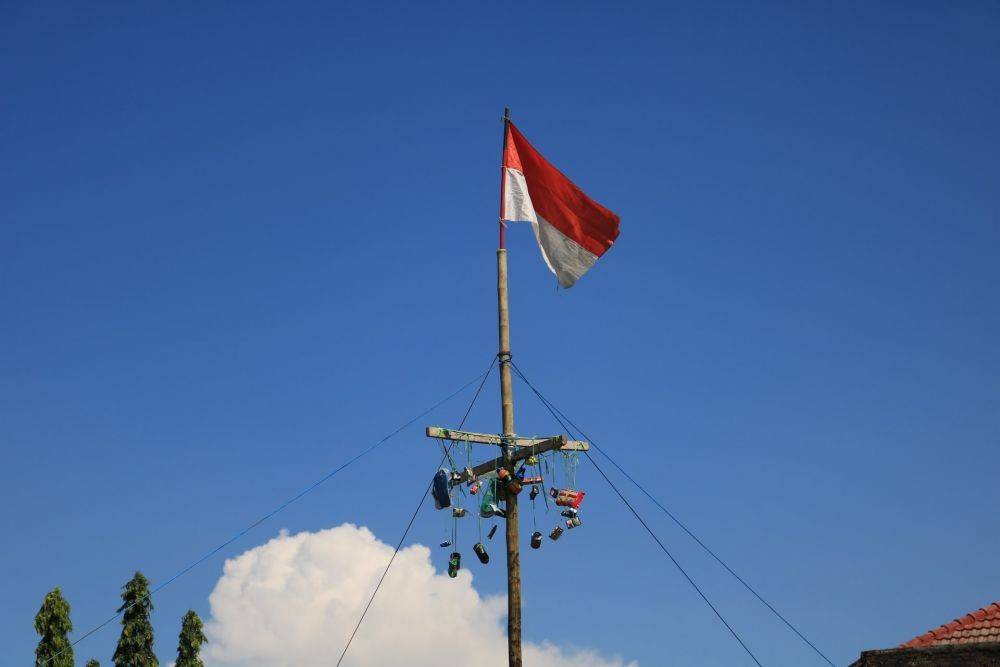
x,y
135,645
93,663
53,624
190,641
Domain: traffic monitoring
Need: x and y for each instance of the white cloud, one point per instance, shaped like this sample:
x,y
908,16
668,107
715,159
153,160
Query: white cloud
x,y
295,600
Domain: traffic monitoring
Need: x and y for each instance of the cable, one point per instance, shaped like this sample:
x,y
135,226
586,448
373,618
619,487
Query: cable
x,y
413,517
270,514
646,526
677,521
678,565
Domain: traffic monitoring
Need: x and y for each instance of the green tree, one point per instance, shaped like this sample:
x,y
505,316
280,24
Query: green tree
x,y
190,641
135,645
53,624
93,663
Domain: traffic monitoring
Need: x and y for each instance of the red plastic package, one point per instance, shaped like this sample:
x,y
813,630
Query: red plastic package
x,y
567,497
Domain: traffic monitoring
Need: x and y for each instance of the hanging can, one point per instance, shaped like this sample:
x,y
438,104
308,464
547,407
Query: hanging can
x,y
536,540
573,523
493,531
474,488
458,512
511,483
534,492
454,564
481,554
556,533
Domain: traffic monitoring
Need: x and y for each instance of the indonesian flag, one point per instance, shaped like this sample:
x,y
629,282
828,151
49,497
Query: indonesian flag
x,y
572,229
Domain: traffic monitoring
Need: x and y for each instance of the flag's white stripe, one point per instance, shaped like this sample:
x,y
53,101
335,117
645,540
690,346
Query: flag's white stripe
x,y
565,257
569,259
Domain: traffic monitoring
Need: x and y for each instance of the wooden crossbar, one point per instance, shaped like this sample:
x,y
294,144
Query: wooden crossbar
x,y
494,439
483,469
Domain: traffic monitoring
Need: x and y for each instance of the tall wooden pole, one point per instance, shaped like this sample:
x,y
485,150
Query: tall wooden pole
x,y
507,412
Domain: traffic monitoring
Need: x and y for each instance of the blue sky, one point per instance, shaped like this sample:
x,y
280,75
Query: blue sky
x,y
239,244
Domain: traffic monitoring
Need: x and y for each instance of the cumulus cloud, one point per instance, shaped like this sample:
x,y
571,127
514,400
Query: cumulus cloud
x,y
295,600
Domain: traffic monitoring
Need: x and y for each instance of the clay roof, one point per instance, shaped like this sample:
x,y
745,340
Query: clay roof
x,y
982,625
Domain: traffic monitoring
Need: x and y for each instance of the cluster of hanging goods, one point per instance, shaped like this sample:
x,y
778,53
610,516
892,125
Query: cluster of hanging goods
x,y
545,466
492,487
444,480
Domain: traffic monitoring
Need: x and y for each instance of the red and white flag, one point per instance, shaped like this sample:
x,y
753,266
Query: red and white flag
x,y
572,229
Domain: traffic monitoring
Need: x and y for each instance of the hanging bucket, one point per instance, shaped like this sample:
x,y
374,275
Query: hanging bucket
x,y
439,489
454,564
536,540
481,554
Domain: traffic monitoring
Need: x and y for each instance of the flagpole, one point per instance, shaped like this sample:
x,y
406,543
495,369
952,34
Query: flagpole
x,y
503,177
507,413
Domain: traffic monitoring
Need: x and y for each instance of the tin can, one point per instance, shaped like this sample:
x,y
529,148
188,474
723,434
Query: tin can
x,y
454,564
556,533
474,488
493,531
480,550
569,514
511,483
534,492
573,523
446,543
458,512
536,540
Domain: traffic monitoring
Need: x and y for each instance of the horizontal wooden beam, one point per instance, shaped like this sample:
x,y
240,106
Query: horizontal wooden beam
x,y
484,469
494,439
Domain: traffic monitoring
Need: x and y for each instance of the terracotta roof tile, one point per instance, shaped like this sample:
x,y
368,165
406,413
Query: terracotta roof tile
x,y
982,625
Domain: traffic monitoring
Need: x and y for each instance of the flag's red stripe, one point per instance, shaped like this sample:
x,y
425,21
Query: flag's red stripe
x,y
558,200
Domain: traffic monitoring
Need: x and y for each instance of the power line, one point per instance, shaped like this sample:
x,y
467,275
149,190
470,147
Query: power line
x,y
677,521
413,517
180,573
644,524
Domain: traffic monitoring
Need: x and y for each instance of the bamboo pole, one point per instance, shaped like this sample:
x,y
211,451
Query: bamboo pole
x,y
507,413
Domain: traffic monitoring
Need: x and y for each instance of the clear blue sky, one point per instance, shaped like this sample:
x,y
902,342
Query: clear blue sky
x,y
239,244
